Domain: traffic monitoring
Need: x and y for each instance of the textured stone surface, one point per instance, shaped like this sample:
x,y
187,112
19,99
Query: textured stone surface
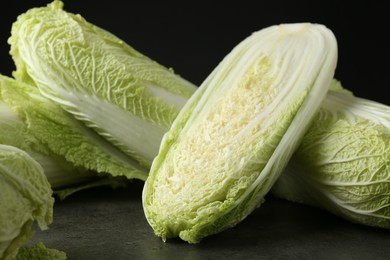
x,y
102,223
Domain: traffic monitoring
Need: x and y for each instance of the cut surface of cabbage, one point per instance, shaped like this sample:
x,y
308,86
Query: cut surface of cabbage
x,y
236,133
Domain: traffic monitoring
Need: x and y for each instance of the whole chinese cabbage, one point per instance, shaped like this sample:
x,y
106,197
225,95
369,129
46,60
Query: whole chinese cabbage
x,y
234,136
123,95
343,162
25,197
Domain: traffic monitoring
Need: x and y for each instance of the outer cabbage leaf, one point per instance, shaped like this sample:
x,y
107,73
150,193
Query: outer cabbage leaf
x,y
25,197
40,252
235,135
343,162
59,172
60,134
123,95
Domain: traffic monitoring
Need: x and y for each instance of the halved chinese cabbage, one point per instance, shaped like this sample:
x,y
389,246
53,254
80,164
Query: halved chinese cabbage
x,y
233,138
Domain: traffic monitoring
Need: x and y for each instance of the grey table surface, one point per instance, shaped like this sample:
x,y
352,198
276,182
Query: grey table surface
x,y
103,223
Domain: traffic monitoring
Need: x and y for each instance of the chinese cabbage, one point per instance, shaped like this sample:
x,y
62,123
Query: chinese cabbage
x,y
235,135
343,162
123,95
25,197
60,135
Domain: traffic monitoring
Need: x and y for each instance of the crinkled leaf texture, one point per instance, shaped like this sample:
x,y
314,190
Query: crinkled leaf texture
x,y
123,95
39,252
232,139
60,135
25,197
343,162
14,132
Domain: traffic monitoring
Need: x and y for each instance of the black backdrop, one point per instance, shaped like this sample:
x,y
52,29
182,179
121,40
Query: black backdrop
x,y
192,38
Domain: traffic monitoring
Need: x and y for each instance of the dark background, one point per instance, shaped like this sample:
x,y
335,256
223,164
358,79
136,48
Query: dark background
x,y
193,38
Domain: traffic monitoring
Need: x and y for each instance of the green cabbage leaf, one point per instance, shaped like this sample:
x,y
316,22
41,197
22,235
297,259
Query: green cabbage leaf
x,y
40,252
14,132
343,162
25,197
56,139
